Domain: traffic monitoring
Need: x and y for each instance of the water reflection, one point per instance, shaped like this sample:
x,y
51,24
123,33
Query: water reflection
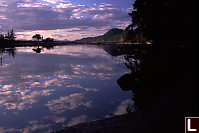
x,y
125,106
151,76
131,80
10,51
137,80
61,86
70,102
37,50
78,119
21,100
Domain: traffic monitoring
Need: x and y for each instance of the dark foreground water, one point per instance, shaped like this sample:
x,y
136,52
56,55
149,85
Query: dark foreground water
x,y
58,87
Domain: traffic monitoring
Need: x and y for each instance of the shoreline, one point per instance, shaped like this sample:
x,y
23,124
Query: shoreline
x,y
155,118
60,43
166,114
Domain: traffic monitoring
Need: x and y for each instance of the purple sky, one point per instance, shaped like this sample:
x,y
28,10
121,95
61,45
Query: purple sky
x,y
63,19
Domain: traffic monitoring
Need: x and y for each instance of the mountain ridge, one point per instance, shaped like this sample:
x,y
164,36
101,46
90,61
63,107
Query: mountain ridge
x,y
113,34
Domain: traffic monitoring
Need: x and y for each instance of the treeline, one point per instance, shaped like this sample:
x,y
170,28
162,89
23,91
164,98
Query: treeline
x,y
165,22
39,37
9,36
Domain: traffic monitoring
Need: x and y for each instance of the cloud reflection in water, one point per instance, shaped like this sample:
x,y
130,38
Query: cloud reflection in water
x,y
21,99
67,85
70,102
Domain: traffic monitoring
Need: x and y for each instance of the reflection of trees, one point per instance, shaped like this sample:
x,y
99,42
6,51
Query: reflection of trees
x,y
37,50
152,76
10,51
10,36
146,79
131,81
48,47
112,50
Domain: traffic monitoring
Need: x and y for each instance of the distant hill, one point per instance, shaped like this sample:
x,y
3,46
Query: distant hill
x,y
61,40
112,35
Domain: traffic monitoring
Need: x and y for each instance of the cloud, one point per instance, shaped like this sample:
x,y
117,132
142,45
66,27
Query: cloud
x,y
35,84
77,120
31,15
35,126
9,130
107,12
70,102
55,118
21,99
121,109
81,87
54,82
8,97
56,1
7,87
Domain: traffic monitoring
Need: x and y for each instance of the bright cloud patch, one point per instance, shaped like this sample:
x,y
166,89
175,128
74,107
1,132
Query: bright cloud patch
x,y
122,108
70,102
56,1
21,99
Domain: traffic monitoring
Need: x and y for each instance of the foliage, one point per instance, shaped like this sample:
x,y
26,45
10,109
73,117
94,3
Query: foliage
x,y
139,37
9,36
165,22
2,37
128,35
37,37
49,39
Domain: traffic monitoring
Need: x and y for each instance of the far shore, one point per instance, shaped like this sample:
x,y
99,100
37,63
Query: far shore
x,y
58,43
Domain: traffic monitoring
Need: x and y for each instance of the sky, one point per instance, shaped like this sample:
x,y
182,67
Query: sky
x,y
63,19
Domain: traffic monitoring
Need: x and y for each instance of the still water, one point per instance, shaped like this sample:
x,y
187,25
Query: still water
x,y
60,86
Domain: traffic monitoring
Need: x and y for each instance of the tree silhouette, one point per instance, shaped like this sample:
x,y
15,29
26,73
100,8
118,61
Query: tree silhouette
x,y
167,23
49,39
2,37
37,37
149,20
10,35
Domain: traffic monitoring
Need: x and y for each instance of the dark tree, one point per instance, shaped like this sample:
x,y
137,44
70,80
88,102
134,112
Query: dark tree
x,y
129,34
49,39
167,23
37,37
10,35
2,37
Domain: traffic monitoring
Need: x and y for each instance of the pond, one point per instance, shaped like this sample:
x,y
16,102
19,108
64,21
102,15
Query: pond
x,y
46,89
